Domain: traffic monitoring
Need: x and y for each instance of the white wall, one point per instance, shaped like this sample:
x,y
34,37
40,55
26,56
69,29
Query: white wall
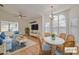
x,y
39,22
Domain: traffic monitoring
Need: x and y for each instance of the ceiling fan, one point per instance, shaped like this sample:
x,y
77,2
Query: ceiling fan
x,y
1,5
20,15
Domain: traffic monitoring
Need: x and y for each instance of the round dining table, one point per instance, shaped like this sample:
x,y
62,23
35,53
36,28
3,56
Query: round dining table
x,y
54,43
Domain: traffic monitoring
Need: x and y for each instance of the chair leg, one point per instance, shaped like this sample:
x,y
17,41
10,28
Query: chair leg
x,y
46,52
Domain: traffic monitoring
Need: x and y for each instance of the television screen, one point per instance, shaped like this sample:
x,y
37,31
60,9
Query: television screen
x,y
34,27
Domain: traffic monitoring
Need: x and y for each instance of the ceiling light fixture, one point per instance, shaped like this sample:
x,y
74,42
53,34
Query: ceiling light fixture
x,y
51,15
51,19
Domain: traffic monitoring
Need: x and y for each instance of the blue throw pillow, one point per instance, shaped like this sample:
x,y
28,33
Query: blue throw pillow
x,y
3,35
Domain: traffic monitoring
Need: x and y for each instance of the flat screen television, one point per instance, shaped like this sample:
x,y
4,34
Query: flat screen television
x,y
34,27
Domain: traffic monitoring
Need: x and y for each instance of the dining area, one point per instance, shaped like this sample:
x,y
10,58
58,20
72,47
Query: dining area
x,y
60,34
59,45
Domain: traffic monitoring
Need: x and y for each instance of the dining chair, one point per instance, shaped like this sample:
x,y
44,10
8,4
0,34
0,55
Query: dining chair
x,y
47,34
62,35
46,47
69,42
39,41
70,37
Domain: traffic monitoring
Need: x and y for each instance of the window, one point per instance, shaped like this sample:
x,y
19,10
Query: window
x,y
4,26
55,24
59,24
9,26
47,27
74,27
13,26
62,24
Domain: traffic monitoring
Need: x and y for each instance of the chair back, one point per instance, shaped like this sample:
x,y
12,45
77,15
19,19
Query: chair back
x,y
63,36
47,34
70,41
70,38
39,40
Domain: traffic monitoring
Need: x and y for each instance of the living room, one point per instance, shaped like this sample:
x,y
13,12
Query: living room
x,y
28,26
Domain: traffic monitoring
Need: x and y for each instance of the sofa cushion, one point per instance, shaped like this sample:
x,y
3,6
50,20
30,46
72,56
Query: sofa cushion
x,y
1,41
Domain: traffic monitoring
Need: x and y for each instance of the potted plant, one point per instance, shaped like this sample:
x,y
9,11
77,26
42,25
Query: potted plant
x,y
27,31
53,36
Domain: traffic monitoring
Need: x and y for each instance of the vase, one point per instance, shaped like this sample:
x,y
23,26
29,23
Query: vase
x,y
53,38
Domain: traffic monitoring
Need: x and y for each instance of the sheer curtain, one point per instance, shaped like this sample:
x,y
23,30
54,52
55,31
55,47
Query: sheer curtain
x,y
74,27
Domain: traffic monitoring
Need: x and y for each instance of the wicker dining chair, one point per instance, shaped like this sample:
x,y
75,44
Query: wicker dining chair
x,y
69,42
63,36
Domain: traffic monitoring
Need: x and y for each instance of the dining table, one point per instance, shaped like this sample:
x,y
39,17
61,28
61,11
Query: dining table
x,y
54,42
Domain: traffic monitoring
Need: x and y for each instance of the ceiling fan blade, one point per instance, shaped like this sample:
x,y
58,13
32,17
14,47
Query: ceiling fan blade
x,y
24,16
15,16
1,5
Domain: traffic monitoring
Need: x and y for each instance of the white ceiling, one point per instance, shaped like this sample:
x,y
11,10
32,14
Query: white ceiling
x,y
31,10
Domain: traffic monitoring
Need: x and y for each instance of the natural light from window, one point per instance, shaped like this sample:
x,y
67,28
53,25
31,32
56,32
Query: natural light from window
x,y
9,26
